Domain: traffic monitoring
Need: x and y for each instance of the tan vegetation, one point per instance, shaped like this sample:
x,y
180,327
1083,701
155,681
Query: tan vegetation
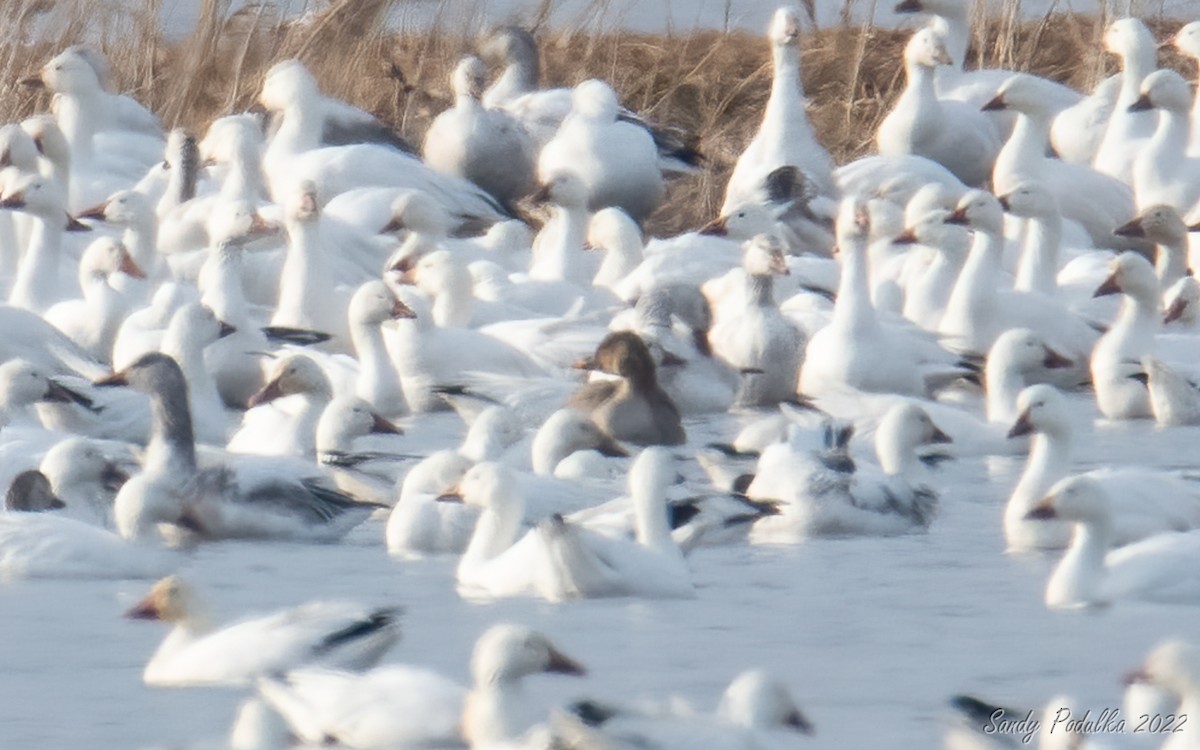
x,y
710,83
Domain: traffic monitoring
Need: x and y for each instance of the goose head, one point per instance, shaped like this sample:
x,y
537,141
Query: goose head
x,y
437,273
929,197
926,49
512,45
373,303
126,208
1041,409
23,383
1020,350
1132,275
469,78
1173,666
1164,89
153,373
563,188
170,600
764,256
1183,301
932,230
1127,37
853,225
1030,199
197,324
903,429
1079,498
69,72
50,141
106,257
978,209
80,461
1187,39
506,653
622,353
30,492
302,206
489,486
287,84
595,100
493,431
238,223
419,213
228,140
293,375
743,222
39,196
785,28
612,229
17,148
346,419
567,431
1160,224
1022,93
756,700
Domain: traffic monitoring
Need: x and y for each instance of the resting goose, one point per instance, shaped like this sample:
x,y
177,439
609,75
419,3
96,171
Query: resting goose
x,y
1146,501
632,408
616,160
1161,567
228,496
197,653
92,321
489,147
281,417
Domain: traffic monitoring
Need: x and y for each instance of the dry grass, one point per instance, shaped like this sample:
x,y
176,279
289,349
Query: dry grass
x,y
713,84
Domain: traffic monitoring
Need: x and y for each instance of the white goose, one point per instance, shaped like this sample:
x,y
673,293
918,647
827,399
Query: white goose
x,y
295,153
85,475
1187,41
193,328
1172,667
1162,171
755,710
92,321
953,134
1018,358
281,418
1128,128
616,160
829,495
1099,202
1146,501
1174,398
557,560
489,147
196,652
758,337
1118,352
1161,567
41,280
785,137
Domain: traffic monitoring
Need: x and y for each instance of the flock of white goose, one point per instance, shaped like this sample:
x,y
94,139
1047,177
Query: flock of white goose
x,y
244,336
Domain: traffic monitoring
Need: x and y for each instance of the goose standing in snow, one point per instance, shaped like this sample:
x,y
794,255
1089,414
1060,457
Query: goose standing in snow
x,y
486,146
953,134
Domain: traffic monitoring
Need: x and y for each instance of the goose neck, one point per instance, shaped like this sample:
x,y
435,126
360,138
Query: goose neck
x,y
650,515
760,289
1170,263
303,273
1049,461
37,275
853,309
378,380
223,292
172,445
495,532
1037,268
1022,154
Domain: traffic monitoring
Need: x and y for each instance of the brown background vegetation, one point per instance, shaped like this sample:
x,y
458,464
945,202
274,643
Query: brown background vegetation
x,y
710,83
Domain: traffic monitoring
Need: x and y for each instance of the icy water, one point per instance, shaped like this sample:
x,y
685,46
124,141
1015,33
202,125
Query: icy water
x,y
872,635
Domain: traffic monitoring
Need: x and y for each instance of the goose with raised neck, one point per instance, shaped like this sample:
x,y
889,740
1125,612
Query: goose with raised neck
x,y
1041,239
558,248
1162,225
1162,170
379,383
1099,202
306,299
1130,40
190,331
785,137
1118,353
953,134
39,283
92,321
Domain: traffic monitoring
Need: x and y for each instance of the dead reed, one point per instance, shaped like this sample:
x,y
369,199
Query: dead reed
x,y
710,83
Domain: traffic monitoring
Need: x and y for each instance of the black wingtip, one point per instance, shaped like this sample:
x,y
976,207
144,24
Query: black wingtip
x,y
297,336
